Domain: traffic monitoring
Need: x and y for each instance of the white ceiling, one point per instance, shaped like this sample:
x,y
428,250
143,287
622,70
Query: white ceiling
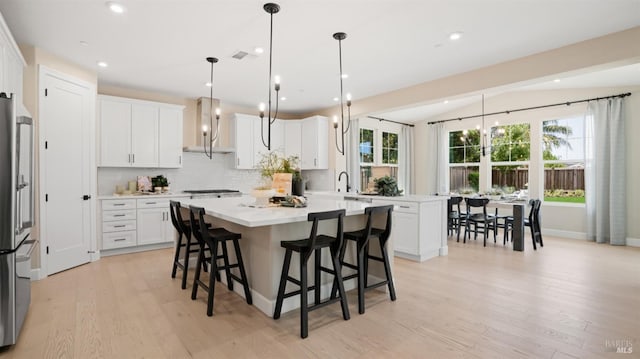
x,y
161,45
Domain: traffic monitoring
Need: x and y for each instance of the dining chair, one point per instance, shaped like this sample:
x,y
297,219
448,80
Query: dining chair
x,y
455,218
481,221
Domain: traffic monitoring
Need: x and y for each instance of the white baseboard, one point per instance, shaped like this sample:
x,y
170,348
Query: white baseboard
x,y
633,242
422,257
564,234
143,248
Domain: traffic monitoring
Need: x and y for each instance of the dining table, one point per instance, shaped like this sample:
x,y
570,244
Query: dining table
x,y
518,208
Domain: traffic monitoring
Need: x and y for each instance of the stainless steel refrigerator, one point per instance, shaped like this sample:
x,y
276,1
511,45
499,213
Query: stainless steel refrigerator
x,y
16,218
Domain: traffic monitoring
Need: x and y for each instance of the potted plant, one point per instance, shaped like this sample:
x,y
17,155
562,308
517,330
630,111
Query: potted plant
x,y
274,162
387,186
160,183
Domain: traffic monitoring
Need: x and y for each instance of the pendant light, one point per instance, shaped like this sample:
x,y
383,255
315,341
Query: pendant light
x,y
343,130
212,138
270,8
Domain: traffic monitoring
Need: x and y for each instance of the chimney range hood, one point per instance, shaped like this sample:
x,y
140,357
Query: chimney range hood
x,y
202,118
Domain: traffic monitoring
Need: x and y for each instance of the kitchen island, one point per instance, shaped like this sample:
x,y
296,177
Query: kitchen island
x,y
262,230
419,221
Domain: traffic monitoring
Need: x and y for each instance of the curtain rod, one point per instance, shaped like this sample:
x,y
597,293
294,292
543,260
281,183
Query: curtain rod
x,y
384,119
622,95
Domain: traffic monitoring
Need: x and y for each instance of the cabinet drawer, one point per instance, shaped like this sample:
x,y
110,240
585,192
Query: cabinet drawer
x,y
118,226
400,206
153,203
110,216
113,204
118,239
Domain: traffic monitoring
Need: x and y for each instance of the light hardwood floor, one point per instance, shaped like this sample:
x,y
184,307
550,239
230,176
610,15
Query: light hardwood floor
x,y
566,300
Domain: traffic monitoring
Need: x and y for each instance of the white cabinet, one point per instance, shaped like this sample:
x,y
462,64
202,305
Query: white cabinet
x,y
243,137
144,135
170,137
136,222
315,143
292,138
118,223
136,133
248,139
419,228
11,64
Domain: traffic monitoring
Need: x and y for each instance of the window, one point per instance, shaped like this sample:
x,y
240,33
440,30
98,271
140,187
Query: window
x,y
464,160
366,146
389,148
563,144
510,155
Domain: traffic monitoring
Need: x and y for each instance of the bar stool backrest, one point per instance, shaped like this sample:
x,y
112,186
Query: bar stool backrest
x,y
371,212
196,217
176,217
321,216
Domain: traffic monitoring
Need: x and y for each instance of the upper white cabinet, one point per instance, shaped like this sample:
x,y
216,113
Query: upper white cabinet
x,y
136,133
315,143
170,137
248,139
292,138
11,64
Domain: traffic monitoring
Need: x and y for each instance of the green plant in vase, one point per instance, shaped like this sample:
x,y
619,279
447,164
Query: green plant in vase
x,y
387,186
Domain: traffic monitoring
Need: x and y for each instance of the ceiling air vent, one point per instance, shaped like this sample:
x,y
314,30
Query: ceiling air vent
x,y
240,55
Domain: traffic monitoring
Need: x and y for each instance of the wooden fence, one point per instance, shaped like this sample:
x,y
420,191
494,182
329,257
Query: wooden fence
x,y
554,178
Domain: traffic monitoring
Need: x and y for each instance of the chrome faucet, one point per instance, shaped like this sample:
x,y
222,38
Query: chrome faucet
x,y
340,177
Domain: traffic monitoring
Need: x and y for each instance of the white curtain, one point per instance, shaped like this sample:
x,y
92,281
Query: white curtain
x,y
353,155
406,160
605,172
438,148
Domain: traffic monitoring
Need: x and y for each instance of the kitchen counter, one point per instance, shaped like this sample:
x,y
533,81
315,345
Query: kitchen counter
x,y
237,210
143,196
360,196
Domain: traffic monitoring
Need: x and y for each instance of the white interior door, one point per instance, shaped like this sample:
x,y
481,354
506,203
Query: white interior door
x,y
67,112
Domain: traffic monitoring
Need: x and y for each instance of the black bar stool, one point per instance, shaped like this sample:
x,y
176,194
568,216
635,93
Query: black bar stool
x,y
305,247
183,227
361,238
210,238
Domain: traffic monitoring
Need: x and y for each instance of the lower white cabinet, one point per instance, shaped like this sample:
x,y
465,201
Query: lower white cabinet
x,y
154,222
136,222
419,228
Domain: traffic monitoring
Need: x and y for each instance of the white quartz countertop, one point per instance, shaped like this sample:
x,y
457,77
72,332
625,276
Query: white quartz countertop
x,y
237,210
407,198
145,196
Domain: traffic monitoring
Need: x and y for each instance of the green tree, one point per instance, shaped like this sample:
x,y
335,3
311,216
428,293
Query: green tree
x,y
512,142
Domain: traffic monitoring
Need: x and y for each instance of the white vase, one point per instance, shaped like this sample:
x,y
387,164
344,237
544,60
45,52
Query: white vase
x,y
262,196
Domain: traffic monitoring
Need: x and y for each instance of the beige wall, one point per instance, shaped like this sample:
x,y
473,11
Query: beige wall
x,y
564,220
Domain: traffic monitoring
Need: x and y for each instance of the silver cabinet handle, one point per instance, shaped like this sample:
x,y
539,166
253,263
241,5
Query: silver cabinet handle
x,y
315,161
150,202
180,159
119,239
120,226
119,204
119,215
129,159
238,160
404,206
133,158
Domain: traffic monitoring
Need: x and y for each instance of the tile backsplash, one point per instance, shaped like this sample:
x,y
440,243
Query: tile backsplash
x,y
197,172
200,172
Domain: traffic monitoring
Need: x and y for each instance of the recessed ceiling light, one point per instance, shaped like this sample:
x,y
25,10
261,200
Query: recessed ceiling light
x,y
556,80
115,7
208,84
283,98
446,102
344,76
335,99
102,64
258,50
455,35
